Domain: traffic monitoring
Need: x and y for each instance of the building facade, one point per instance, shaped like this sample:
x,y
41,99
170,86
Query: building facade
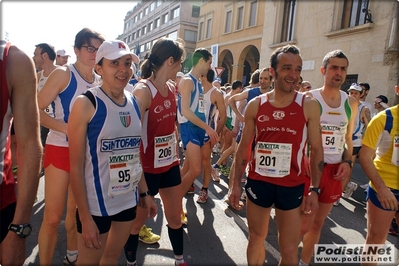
x,y
152,19
365,30
233,31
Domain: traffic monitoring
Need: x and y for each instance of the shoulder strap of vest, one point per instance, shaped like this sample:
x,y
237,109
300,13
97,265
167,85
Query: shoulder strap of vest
x,y
389,120
90,96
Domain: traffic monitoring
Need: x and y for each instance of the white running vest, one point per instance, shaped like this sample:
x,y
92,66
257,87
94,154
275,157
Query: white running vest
x,y
333,122
64,101
112,162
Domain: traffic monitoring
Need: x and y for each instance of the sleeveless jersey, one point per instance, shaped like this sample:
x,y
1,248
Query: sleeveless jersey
x,y
158,150
40,84
112,162
281,135
382,135
7,184
334,122
358,128
64,101
196,103
253,92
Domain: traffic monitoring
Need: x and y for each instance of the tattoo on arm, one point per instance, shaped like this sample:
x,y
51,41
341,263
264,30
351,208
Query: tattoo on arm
x,y
367,113
244,162
320,165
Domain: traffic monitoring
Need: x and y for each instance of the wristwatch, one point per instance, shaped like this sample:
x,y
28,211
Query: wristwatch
x,y
142,195
349,162
315,189
23,230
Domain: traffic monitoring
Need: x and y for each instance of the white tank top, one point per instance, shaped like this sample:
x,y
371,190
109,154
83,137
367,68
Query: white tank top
x,y
63,103
112,162
334,122
40,85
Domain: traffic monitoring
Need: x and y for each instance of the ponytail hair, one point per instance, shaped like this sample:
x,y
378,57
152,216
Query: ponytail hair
x,y
161,51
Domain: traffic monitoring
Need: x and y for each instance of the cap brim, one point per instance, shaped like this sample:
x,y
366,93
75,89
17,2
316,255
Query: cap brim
x,y
121,53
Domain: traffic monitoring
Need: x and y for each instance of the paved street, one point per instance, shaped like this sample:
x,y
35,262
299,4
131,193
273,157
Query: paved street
x,y
217,234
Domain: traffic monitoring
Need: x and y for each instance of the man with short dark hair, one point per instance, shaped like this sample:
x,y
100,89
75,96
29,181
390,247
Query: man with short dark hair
x,y
380,104
191,117
44,56
213,100
366,88
282,120
338,111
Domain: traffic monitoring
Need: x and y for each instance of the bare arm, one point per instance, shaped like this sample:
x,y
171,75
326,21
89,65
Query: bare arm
x,y
365,116
143,98
218,100
142,95
55,83
349,131
312,112
21,80
344,169
81,113
241,156
384,194
232,103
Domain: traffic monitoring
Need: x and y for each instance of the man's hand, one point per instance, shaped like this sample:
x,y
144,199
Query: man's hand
x,y
234,196
311,204
343,171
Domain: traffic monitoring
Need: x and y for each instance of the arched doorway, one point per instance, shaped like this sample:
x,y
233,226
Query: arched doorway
x,y
250,58
226,61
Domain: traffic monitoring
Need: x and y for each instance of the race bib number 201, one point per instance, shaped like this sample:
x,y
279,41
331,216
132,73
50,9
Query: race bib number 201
x,y
273,159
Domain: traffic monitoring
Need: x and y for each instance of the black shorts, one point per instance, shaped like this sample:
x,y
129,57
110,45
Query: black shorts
x,y
356,150
167,179
43,134
12,131
104,222
265,194
6,215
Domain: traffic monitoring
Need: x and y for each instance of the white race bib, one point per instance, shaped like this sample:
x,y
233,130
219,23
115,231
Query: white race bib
x,y
164,150
125,173
273,159
201,103
333,139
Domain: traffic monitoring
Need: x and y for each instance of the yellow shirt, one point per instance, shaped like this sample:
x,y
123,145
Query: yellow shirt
x,y
386,145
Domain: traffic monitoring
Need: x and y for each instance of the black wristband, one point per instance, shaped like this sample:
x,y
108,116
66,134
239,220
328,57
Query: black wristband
x,y
145,194
348,162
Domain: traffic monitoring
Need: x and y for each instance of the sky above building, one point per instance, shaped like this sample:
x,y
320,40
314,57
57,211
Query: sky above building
x,y
28,23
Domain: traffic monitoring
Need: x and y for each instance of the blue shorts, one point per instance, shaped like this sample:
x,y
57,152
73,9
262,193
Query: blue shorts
x,y
191,133
265,194
372,195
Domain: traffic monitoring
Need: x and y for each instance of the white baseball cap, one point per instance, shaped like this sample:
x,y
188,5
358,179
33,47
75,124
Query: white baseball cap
x,y
180,74
355,87
112,50
62,53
